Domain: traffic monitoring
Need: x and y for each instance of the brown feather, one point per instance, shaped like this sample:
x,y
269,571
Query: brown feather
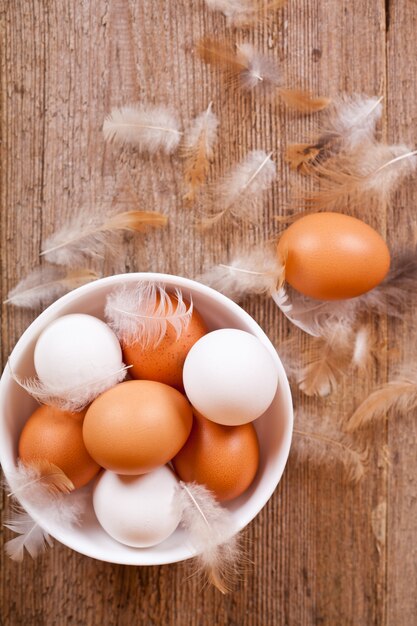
x,y
372,172
250,70
138,221
349,122
303,101
220,54
196,168
301,156
197,150
399,395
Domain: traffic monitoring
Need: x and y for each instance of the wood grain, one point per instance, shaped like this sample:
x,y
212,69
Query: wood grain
x,y
323,553
402,435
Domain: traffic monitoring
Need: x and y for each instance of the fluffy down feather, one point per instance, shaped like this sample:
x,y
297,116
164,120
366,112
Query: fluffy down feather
x,y
142,313
148,128
197,149
209,526
66,398
371,173
239,194
256,272
94,235
46,284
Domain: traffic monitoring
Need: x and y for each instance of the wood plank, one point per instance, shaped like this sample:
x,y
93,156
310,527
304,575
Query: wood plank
x,y
402,503
315,557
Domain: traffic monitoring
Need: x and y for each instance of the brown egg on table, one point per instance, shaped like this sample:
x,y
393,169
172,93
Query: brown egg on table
x,y
56,436
224,459
164,363
332,256
137,426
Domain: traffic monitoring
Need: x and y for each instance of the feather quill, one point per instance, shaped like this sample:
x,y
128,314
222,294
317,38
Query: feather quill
x,y
399,395
45,284
249,273
148,128
373,172
348,122
198,144
208,525
143,312
245,12
91,235
246,68
318,442
239,193
72,399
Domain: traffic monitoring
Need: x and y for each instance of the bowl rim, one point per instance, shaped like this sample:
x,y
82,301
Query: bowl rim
x,y
171,280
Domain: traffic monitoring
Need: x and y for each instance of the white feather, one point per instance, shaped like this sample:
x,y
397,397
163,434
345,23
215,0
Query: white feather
x,y
37,480
239,194
204,125
372,172
46,284
65,510
66,398
261,71
256,272
231,9
31,536
389,166
243,12
197,149
209,527
388,298
362,349
352,119
82,237
301,316
96,235
142,313
149,128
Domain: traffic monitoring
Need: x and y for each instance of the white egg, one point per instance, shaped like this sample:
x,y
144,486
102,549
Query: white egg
x,y
230,377
138,511
77,350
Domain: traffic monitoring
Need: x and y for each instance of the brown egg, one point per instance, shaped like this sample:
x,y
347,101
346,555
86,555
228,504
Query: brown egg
x,y
223,458
137,426
56,436
331,256
165,362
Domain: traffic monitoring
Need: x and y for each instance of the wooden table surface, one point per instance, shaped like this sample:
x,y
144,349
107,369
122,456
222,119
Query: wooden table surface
x,y
323,552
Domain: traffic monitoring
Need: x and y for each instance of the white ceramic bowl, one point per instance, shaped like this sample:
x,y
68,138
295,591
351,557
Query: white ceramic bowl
x,y
274,428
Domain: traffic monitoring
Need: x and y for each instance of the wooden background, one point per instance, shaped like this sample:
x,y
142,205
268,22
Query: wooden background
x,y
323,553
